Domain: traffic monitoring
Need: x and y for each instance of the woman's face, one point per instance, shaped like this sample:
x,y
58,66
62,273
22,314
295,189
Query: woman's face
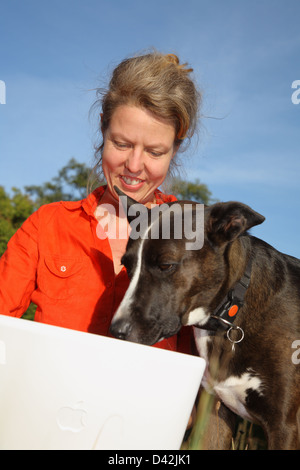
x,y
138,149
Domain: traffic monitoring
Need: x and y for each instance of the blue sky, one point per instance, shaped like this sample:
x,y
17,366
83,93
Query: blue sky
x,y
245,55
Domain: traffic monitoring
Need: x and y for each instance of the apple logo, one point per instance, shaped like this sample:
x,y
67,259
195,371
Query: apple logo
x,y
72,418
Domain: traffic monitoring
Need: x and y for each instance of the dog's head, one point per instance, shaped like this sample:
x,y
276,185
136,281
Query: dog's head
x,y
176,265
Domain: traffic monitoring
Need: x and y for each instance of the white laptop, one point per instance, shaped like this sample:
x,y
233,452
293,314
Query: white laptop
x,y
63,389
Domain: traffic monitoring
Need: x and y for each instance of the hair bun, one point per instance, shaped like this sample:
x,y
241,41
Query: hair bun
x,y
173,59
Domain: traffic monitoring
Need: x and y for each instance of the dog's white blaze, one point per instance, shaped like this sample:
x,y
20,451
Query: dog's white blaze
x,y
129,295
233,392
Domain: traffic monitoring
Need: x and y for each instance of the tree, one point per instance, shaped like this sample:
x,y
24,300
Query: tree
x,y
70,185
14,210
191,191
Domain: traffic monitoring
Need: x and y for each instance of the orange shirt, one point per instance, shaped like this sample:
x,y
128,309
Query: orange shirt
x,y
56,261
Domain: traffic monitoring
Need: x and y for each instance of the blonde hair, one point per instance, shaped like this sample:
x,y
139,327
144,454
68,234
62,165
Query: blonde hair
x,y
156,82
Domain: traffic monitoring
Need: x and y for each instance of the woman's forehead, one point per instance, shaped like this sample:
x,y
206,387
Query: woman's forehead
x,y
131,122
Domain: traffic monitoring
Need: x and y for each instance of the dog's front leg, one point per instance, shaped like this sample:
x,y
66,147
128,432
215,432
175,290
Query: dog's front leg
x,y
214,426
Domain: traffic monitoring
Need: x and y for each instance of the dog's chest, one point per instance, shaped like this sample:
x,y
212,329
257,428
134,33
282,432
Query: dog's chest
x,y
233,391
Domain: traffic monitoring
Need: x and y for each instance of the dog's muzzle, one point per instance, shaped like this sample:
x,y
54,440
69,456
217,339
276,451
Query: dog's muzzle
x,y
121,329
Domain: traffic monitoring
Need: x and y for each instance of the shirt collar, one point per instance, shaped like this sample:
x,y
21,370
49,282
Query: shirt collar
x,y
90,203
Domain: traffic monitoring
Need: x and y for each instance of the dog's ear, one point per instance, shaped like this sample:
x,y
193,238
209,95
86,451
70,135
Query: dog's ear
x,y
131,207
228,220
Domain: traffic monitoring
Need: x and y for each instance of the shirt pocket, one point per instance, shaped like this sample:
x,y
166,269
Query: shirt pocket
x,y
60,277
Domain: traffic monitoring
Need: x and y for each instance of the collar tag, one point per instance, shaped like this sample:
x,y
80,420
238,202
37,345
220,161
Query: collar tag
x,y
224,315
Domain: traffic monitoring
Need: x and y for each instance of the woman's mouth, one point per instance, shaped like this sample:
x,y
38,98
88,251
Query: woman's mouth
x,y
134,183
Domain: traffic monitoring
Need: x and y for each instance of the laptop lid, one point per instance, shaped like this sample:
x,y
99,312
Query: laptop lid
x,y
64,389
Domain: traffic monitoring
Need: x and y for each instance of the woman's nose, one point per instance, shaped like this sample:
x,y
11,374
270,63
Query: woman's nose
x,y
134,161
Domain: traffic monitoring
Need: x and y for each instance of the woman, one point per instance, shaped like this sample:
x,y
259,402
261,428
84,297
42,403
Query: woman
x,y
60,259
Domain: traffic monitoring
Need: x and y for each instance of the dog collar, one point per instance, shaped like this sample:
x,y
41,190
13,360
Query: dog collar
x,y
223,316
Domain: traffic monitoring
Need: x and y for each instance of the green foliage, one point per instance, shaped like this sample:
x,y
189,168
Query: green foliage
x,y
6,232
14,210
191,191
69,185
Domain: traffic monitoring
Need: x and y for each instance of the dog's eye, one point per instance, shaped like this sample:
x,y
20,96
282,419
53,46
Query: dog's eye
x,y
166,267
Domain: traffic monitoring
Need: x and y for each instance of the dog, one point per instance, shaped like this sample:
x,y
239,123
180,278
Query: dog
x,y
242,297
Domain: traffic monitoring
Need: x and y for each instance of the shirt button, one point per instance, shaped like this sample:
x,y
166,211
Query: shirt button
x,y
109,284
63,269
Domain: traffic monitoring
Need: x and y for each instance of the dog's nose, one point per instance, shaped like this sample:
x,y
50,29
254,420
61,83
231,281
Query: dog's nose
x,y
120,329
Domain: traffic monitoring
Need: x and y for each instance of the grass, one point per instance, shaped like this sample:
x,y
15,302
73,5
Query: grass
x,y
247,436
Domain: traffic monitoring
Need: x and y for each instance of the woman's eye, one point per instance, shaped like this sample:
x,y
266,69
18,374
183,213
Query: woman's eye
x,y
155,154
121,145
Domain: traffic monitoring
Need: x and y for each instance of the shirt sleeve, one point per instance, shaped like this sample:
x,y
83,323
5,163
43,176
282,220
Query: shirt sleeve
x,y
18,266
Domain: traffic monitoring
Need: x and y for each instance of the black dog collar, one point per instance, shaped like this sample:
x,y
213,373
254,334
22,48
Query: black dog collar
x,y
225,313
